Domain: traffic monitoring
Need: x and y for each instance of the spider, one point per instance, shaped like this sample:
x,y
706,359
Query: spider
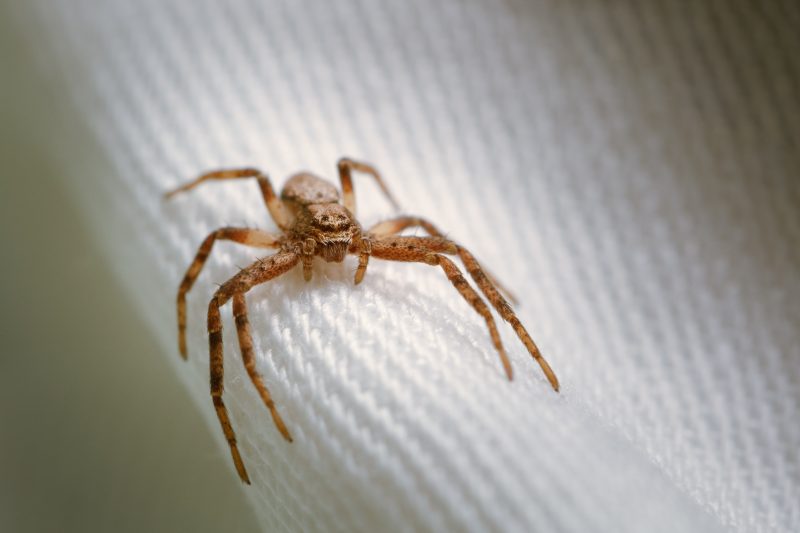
x,y
315,220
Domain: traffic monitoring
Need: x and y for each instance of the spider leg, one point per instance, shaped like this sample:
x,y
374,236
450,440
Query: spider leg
x,y
346,167
249,237
501,305
396,225
428,250
280,214
259,272
248,355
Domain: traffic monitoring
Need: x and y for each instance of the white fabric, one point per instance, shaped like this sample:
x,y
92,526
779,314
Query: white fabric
x,y
630,171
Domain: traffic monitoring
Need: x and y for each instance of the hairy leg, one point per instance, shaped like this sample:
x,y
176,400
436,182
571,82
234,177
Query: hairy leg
x,y
499,303
249,237
427,250
248,355
396,225
277,210
424,248
258,272
346,167
217,387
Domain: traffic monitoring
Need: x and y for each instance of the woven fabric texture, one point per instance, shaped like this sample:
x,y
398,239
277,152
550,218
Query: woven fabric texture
x,y
630,169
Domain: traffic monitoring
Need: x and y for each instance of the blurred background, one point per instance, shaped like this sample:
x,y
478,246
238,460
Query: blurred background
x,y
649,152
98,434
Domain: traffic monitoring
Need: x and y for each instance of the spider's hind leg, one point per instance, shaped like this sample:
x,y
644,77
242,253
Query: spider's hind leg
x,y
280,214
346,168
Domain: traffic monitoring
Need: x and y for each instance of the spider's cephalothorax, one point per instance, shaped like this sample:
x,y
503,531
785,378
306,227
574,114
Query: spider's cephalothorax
x,y
322,225
316,221
332,229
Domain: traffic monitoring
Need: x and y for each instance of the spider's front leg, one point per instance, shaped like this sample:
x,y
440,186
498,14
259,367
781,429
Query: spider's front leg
x,y
504,309
248,355
487,283
396,225
428,250
248,237
259,272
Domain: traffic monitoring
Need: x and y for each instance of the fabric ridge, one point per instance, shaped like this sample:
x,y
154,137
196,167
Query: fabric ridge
x,y
629,170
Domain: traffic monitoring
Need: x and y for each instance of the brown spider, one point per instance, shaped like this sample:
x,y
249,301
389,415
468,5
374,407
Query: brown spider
x,y
315,221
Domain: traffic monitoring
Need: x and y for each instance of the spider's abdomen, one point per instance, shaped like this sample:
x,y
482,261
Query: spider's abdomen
x,y
306,189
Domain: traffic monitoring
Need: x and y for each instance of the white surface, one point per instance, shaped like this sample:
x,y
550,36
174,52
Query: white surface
x,y
630,171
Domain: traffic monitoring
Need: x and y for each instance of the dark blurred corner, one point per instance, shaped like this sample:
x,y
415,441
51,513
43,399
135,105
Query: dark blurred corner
x,y
97,432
